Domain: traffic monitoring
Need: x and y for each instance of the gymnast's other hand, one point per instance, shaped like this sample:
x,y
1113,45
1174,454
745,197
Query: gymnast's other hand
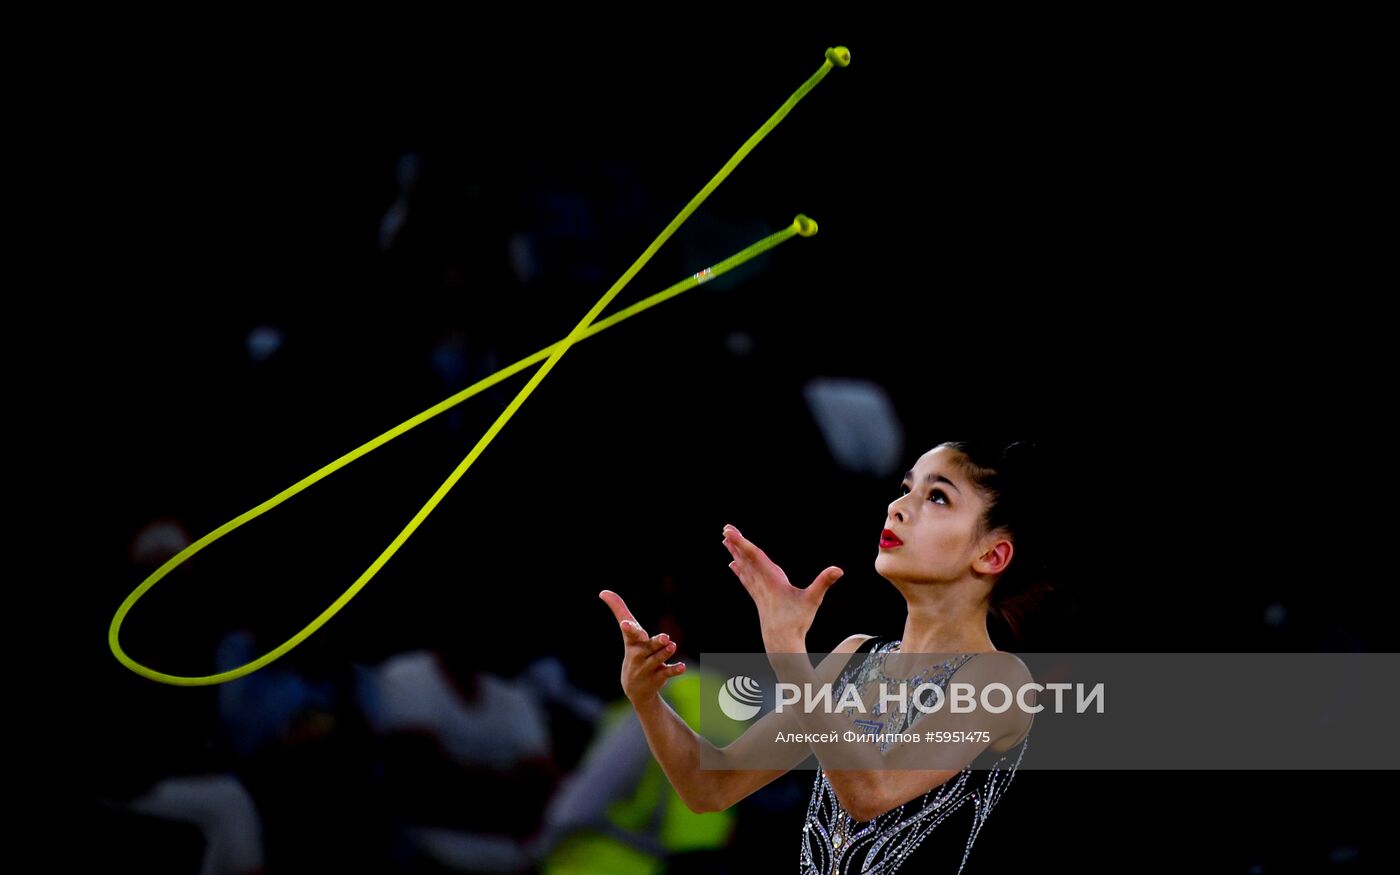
x,y
785,613
644,668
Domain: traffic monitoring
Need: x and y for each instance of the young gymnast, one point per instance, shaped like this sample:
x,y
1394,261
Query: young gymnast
x,y
962,542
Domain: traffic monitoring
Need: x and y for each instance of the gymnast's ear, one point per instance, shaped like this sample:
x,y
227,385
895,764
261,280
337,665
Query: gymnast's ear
x,y
995,556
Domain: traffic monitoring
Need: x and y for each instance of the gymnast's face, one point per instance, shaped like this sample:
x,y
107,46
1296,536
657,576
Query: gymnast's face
x,y
937,520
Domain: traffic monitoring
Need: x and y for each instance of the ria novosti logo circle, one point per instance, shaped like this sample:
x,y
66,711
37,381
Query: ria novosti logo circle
x,y
740,697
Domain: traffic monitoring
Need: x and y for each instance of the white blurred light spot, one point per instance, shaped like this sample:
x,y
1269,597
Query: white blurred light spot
x,y
157,541
859,423
521,253
738,343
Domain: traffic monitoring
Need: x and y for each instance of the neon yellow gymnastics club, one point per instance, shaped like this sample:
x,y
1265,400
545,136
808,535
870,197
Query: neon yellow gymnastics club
x,y
835,57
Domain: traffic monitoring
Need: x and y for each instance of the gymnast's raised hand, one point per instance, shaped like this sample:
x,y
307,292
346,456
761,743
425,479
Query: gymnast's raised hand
x,y
785,613
644,667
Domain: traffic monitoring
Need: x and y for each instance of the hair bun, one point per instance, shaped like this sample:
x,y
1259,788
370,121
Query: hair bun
x,y
1020,449
1021,459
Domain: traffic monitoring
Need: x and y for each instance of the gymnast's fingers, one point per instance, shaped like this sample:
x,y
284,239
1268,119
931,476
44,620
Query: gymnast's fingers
x,y
663,652
632,631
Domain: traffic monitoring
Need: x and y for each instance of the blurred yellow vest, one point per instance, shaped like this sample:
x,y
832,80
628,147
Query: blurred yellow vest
x,y
654,810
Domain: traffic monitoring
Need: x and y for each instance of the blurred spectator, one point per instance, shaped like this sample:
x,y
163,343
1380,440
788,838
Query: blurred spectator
x,y
224,812
467,758
269,706
301,746
178,773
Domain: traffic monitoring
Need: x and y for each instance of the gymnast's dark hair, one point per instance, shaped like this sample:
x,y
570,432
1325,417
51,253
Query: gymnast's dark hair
x,y
1011,478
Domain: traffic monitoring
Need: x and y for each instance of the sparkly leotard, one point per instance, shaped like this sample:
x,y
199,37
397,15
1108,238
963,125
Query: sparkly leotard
x,y
833,841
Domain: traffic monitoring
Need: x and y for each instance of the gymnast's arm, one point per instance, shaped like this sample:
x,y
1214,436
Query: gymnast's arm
x,y
676,746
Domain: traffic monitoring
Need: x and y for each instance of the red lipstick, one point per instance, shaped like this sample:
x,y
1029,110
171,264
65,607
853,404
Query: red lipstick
x,y
888,540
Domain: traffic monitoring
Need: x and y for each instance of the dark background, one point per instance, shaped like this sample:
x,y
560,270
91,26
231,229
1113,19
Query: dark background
x,y
1143,254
